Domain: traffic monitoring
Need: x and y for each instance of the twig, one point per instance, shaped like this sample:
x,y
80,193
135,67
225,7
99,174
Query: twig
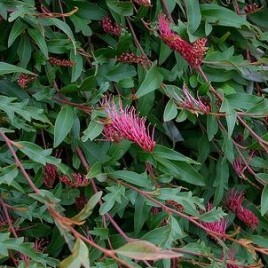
x,y
95,189
18,163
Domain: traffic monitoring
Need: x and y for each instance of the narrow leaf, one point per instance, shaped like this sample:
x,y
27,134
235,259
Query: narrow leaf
x,y
143,250
79,257
88,209
141,180
6,68
170,111
63,124
193,14
264,200
151,82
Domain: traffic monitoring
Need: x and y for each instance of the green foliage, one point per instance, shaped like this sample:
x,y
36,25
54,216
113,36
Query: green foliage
x,y
157,192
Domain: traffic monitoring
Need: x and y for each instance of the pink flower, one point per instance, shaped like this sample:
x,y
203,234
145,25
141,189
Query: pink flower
x,y
111,27
215,226
234,200
146,3
132,58
192,104
248,217
239,167
231,257
25,79
125,123
192,53
77,180
50,175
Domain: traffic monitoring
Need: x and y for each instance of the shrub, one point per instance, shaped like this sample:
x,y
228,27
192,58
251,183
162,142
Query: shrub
x,y
133,133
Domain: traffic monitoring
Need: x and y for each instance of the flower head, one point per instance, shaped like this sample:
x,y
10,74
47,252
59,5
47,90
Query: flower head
x,y
218,226
189,102
125,123
25,79
248,217
132,58
60,62
192,53
78,180
110,27
146,3
234,200
252,8
50,174
239,167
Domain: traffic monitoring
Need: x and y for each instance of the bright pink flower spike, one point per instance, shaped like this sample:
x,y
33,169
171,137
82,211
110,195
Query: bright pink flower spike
x,y
125,123
192,53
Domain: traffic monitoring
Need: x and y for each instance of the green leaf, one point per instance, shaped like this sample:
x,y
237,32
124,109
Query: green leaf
x,y
264,200
18,27
93,130
193,14
141,180
213,215
62,26
230,116
141,213
180,170
88,209
170,111
78,67
164,152
37,154
39,39
212,126
152,81
6,68
8,174
217,14
115,195
63,124
221,180
143,250
79,257
121,8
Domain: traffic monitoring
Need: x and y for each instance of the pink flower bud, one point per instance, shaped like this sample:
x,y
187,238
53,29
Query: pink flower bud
x,y
192,53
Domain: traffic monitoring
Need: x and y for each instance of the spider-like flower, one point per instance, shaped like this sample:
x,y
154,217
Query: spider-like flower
x,y
192,53
110,27
239,167
125,123
252,8
218,226
78,180
146,3
192,104
234,200
25,79
248,217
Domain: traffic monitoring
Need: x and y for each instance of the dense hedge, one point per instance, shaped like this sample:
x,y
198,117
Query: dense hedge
x,y
133,133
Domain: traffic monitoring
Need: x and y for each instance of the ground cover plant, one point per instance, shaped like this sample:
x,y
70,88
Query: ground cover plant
x,y
133,133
